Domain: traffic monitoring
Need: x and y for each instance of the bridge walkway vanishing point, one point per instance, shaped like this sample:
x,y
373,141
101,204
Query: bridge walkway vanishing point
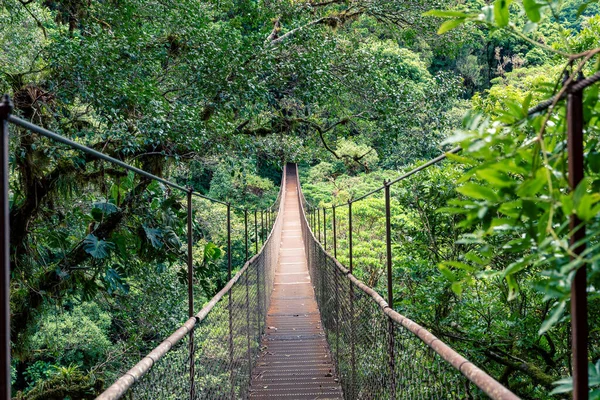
x,y
268,333
295,361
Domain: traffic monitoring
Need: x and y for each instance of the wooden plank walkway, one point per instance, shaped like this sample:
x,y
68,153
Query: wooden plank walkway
x,y
295,362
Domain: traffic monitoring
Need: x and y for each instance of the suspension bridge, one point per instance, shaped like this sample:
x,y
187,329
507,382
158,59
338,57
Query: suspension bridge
x,y
294,323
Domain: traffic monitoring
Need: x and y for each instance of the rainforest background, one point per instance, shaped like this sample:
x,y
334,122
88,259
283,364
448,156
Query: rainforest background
x,y
218,94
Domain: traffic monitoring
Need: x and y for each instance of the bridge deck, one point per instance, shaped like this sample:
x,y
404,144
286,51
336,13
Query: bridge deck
x,y
295,362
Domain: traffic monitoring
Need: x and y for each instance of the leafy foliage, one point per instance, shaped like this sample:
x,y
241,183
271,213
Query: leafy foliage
x,y
217,95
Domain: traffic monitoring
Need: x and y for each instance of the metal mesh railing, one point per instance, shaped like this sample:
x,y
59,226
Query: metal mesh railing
x,y
378,353
212,355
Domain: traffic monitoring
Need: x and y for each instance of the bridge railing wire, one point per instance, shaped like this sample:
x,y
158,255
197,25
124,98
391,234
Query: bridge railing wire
x,y
212,354
224,337
378,352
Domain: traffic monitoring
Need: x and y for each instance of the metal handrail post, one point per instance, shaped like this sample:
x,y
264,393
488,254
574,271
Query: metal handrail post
x,y
334,234
255,232
390,287
319,223
5,391
579,324
230,306
190,276
324,229
262,227
351,290
247,295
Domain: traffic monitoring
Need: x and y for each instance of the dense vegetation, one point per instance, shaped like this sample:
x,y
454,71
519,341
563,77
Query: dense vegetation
x,y
217,94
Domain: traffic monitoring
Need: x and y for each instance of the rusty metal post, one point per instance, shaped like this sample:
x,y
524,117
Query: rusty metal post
x,y
579,324
255,232
190,258
190,276
324,229
247,295
246,234
319,223
350,235
336,272
390,288
337,289
5,391
258,313
262,227
334,234
230,306
351,287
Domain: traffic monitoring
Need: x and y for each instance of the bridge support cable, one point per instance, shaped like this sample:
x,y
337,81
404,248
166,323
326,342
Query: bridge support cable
x,y
378,352
226,339
193,360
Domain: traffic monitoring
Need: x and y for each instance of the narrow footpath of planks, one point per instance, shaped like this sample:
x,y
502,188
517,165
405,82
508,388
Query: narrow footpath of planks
x,y
294,361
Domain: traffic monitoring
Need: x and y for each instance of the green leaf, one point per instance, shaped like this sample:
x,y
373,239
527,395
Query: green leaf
x,y
511,208
449,25
447,273
460,265
584,208
495,177
461,159
580,191
564,386
445,14
95,247
115,282
566,203
501,14
531,186
457,288
478,192
593,161
211,252
513,287
583,7
527,102
532,9
554,317
516,266
106,207
154,236
102,208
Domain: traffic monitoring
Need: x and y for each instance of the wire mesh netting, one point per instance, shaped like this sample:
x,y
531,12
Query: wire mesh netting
x,y
214,360
376,356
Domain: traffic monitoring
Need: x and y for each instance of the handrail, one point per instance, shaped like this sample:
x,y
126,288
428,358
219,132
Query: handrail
x,y
481,379
144,365
102,156
125,382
